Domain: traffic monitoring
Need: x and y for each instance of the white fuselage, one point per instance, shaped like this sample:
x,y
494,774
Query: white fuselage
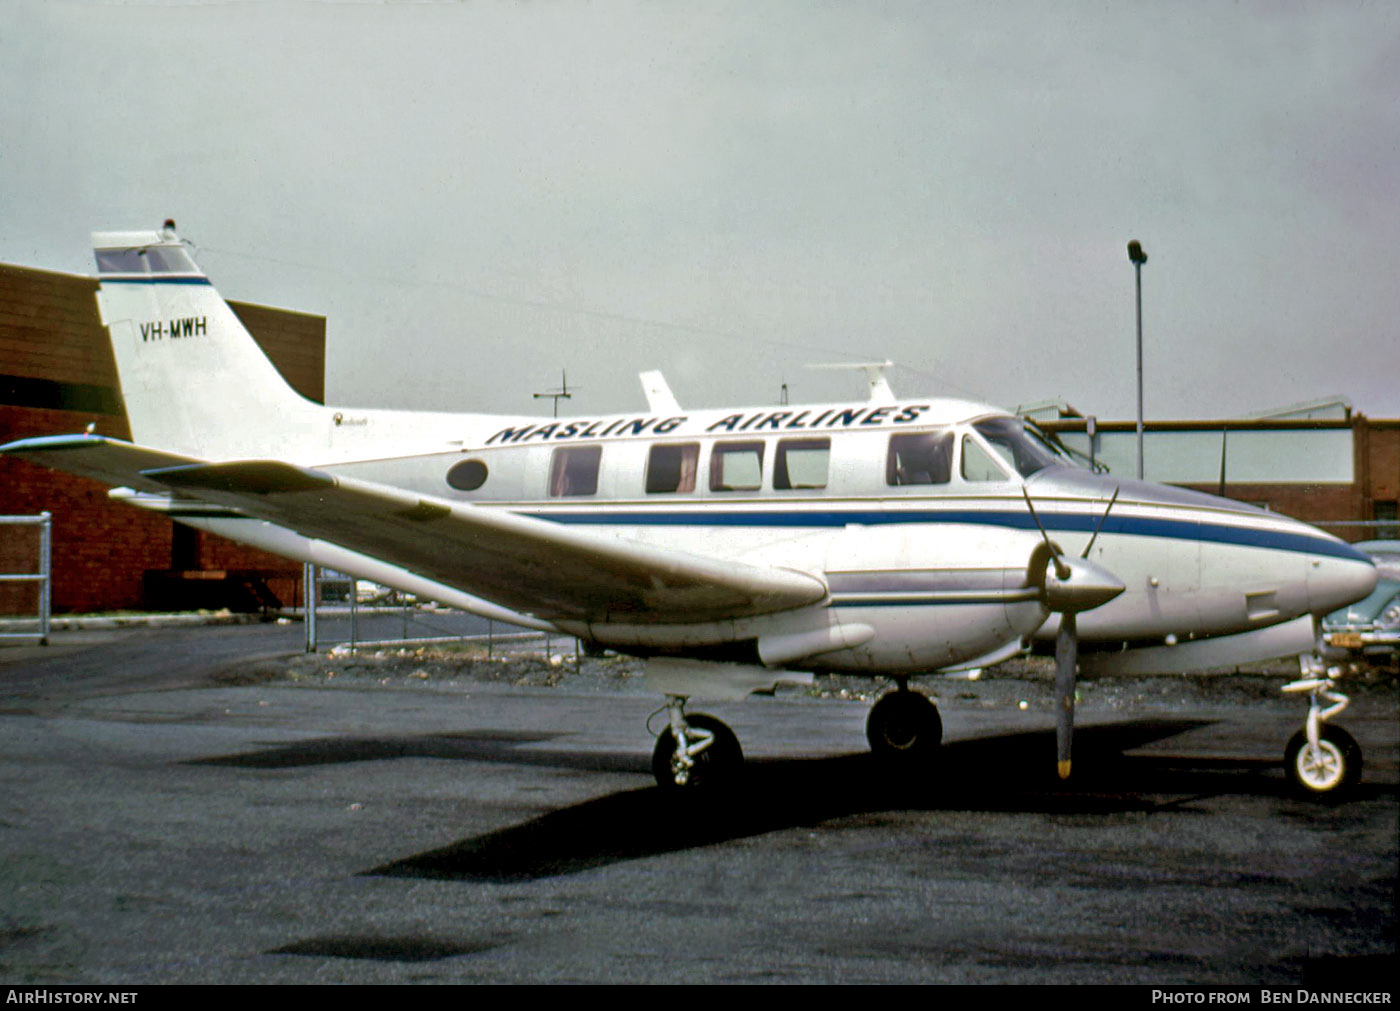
x,y
889,536
926,569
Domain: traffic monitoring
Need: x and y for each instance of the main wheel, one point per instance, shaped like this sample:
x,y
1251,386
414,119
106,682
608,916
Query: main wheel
x,y
716,765
1331,769
905,726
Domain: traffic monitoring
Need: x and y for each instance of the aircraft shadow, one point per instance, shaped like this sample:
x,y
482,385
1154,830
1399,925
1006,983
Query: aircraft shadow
x,y
1014,773
466,745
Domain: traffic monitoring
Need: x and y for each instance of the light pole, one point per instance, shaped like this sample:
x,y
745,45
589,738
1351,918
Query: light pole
x,y
1138,258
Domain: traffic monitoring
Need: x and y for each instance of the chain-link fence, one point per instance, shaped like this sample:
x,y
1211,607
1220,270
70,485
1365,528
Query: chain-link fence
x,y
341,611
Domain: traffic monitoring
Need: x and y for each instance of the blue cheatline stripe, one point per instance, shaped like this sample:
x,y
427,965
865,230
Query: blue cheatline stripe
x,y
152,279
1082,523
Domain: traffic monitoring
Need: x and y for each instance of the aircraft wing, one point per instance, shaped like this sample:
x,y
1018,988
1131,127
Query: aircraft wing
x,y
549,570
111,461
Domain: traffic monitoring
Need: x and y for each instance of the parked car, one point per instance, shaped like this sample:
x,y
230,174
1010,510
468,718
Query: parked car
x,y
1371,627
336,587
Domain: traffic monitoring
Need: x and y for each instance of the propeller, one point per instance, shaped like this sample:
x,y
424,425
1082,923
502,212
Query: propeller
x,y
1068,586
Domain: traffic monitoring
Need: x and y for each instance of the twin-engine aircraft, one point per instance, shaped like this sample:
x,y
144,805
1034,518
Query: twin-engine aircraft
x,y
734,548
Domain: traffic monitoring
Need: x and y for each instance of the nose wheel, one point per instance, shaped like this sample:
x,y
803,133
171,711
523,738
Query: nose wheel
x,y
904,726
1321,761
1331,767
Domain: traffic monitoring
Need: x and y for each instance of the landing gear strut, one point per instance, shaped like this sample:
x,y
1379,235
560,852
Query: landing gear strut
x,y
904,726
1321,760
696,752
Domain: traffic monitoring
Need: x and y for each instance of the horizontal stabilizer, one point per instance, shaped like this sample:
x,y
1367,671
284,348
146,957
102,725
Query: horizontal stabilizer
x,y
549,570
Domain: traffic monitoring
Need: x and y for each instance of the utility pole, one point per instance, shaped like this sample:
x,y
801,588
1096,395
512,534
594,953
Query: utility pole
x,y
1138,258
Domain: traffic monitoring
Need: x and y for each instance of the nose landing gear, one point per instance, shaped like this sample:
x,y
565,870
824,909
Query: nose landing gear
x,y
1321,760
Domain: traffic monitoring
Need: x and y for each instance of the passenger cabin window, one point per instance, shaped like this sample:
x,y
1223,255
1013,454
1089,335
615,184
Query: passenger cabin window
x,y
977,463
672,468
574,471
920,458
736,466
801,463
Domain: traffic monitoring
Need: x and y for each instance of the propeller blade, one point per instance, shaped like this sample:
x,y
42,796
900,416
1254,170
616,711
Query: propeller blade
x,y
1066,658
1078,585
1061,569
1102,520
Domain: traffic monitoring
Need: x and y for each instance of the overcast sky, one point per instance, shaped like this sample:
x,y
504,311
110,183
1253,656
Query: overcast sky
x,y
479,195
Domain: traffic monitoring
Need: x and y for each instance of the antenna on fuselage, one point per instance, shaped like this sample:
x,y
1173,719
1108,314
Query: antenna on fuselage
x,y
560,394
880,391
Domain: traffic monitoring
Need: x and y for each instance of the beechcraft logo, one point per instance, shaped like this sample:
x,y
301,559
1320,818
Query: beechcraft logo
x,y
175,329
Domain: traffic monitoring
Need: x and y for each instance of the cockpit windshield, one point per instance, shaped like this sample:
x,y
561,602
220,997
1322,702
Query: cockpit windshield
x,y
1021,445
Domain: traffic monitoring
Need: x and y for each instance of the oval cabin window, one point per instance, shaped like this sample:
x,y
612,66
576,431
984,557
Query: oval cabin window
x,y
469,475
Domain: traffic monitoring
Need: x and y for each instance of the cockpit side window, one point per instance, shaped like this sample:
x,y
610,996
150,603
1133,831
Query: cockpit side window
x,y
1018,445
977,463
736,466
920,458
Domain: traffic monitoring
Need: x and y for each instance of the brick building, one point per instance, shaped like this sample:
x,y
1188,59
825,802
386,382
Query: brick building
x,y
58,376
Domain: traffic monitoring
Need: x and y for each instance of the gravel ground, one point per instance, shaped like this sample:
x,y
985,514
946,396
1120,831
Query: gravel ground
x,y
1029,680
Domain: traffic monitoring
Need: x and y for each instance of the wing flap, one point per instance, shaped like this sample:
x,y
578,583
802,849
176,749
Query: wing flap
x,y
546,569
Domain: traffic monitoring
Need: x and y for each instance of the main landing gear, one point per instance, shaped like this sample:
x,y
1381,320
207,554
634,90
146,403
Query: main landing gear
x,y
696,752
699,752
904,726
1321,760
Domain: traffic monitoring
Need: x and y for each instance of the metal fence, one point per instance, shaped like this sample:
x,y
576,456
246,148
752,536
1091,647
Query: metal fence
x,y
339,610
1382,529
42,578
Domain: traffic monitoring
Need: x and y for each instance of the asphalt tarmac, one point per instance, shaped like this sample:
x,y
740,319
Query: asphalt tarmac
x,y
158,825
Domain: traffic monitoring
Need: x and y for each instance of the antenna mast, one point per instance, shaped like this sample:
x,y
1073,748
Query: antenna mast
x,y
557,395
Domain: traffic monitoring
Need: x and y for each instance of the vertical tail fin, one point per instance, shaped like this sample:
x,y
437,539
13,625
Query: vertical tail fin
x,y
194,380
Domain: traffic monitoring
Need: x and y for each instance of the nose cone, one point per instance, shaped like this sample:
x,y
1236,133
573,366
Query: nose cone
x,y
1338,578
